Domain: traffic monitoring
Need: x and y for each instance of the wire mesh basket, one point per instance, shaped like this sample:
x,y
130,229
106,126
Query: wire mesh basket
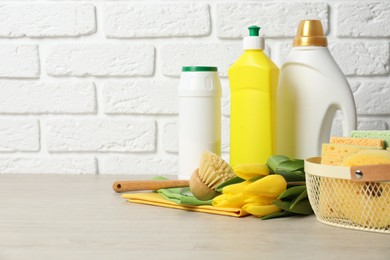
x,y
356,197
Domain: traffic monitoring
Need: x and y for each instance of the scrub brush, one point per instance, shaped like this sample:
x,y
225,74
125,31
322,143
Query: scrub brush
x,y
137,185
212,172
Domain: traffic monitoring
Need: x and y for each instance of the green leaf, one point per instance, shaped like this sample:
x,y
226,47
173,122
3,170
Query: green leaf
x,y
292,192
281,214
274,161
291,176
291,165
302,207
301,196
229,182
285,205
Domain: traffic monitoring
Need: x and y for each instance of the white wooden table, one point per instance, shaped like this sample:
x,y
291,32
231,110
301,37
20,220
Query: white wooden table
x,y
80,217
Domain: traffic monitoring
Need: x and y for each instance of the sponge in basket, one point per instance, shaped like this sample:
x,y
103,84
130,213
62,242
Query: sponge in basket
x,y
367,204
334,154
332,189
382,134
357,141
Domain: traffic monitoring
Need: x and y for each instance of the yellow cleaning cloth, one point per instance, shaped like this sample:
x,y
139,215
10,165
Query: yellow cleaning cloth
x,y
156,199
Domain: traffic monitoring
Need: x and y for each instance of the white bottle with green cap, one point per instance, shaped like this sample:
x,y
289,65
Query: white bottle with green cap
x,y
199,116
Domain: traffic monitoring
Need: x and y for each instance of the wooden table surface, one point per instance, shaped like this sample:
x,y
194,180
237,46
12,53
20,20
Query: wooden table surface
x,y
80,217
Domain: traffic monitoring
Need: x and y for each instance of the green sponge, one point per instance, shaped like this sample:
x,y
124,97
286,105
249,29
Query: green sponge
x,y
379,134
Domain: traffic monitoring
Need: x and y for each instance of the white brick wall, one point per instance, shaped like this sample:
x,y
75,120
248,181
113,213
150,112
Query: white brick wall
x,y
233,18
47,97
47,20
100,60
363,19
122,20
19,61
140,97
90,87
100,135
19,135
174,56
362,58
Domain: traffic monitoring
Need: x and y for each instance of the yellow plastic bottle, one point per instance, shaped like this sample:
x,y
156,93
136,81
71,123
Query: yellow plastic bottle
x,y
253,85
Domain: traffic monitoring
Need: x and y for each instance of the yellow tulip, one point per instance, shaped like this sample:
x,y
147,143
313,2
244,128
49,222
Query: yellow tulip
x,y
236,188
230,200
270,186
260,210
260,200
250,171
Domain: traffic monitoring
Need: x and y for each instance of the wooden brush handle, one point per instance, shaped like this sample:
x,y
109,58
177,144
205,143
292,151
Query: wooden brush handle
x,y
122,186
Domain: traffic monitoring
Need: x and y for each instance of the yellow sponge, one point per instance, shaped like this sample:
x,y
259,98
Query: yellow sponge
x,y
333,191
367,204
367,157
334,154
357,141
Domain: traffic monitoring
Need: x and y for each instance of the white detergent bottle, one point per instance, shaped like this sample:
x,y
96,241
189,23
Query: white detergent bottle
x,y
199,116
311,89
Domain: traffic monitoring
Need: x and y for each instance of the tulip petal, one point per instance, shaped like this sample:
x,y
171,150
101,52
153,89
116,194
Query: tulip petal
x,y
236,188
230,200
260,210
250,171
270,186
263,200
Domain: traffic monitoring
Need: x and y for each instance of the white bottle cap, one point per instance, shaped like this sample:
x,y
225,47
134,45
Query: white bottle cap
x,y
199,81
253,41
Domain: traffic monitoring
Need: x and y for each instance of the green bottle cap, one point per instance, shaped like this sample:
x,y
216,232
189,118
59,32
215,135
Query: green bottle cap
x,y
199,68
254,30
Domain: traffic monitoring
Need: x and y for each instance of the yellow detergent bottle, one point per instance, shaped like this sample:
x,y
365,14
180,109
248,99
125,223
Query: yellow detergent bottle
x,y
253,86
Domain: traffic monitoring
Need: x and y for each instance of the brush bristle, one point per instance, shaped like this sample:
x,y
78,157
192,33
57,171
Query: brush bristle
x,y
213,170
